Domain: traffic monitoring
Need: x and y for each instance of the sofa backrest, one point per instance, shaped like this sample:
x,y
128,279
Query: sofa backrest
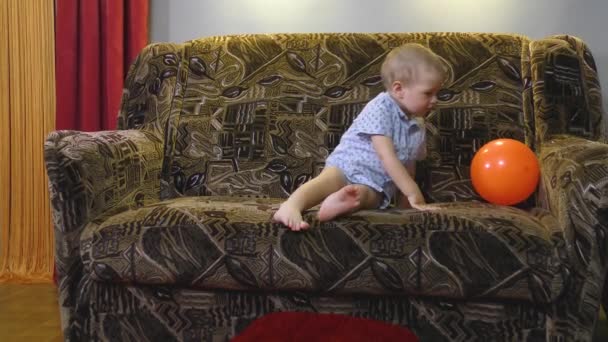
x,y
566,92
256,115
149,87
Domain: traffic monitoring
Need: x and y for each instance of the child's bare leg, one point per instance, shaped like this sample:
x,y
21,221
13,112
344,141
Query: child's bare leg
x,y
348,199
311,193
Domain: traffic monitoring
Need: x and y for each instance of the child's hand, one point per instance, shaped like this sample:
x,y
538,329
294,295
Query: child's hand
x,y
426,206
417,202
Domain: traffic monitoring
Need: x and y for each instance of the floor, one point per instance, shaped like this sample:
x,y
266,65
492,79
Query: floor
x,y
30,313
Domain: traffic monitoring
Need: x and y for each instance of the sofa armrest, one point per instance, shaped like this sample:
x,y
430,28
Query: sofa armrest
x,y
574,189
574,184
101,173
92,175
574,176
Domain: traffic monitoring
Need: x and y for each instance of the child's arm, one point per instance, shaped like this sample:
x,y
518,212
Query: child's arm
x,y
398,173
403,202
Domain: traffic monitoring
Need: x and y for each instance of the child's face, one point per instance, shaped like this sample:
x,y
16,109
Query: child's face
x,y
418,97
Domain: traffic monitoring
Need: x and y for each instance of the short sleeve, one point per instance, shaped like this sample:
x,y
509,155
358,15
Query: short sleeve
x,y
375,119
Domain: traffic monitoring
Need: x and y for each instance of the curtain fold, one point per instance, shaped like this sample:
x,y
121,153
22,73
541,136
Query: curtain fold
x,y
27,105
96,41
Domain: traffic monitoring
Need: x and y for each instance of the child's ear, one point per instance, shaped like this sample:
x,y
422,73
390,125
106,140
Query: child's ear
x,y
397,86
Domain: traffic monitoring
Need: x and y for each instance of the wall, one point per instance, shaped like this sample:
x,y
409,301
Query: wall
x,y
180,20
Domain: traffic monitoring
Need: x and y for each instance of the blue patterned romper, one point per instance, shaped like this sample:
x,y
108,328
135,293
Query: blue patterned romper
x,y
356,156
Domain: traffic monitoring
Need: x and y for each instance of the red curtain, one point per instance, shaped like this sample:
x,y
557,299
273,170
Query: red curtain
x,y
95,43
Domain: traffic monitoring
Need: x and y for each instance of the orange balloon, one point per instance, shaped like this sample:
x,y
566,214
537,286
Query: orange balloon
x,y
504,171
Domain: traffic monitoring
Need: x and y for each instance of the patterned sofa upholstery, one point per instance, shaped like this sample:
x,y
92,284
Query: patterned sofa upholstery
x,y
163,226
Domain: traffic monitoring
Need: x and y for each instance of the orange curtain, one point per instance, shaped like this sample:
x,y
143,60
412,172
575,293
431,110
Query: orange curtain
x,y
27,115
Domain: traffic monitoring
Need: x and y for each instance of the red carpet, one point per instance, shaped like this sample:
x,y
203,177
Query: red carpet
x,y
310,327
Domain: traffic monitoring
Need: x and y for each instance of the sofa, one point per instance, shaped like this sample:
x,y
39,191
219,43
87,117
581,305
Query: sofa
x,y
163,227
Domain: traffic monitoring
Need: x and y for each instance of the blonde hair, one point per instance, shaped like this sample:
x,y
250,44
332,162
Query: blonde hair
x,y
406,62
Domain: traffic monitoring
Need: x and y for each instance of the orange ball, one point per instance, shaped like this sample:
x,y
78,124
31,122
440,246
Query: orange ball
x,y
504,171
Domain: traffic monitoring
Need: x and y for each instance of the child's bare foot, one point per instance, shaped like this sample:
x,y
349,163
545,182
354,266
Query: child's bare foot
x,y
291,217
340,202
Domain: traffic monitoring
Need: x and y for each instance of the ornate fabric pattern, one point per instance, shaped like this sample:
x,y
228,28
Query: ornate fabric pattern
x,y
110,312
575,179
463,251
257,115
241,121
95,175
569,99
149,87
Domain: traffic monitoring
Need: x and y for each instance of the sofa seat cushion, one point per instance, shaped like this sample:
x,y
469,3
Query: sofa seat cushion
x,y
463,250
